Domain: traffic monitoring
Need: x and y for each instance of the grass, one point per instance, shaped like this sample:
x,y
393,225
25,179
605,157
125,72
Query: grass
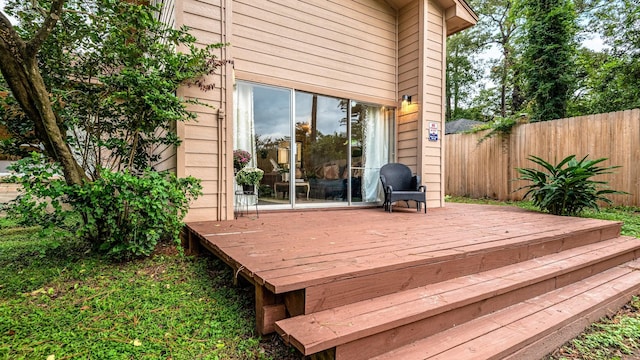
x,y
60,301
613,338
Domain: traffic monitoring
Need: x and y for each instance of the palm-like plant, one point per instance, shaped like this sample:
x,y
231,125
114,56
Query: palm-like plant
x,y
566,188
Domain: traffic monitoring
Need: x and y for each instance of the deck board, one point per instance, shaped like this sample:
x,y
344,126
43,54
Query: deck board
x,y
294,250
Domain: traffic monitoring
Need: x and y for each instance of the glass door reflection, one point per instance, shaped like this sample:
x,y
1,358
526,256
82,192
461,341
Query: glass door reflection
x,y
321,157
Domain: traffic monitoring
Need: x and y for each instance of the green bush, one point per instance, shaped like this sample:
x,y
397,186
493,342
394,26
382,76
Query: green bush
x,y
43,196
566,188
126,215
121,214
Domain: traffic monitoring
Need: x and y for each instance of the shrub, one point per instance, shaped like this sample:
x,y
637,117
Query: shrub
x,y
566,188
43,194
121,214
127,215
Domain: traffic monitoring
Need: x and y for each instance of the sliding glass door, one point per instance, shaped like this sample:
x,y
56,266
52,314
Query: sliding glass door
x,y
315,150
322,133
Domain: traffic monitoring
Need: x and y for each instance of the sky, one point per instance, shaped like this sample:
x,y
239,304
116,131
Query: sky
x,y
2,2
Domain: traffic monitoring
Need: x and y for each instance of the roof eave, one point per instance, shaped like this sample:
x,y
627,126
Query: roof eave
x,y
458,13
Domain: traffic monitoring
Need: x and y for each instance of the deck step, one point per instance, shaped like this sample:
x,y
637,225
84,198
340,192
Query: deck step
x,y
420,265
370,327
533,328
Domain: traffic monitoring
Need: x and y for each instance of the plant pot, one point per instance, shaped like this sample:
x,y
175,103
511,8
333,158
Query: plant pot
x,y
248,189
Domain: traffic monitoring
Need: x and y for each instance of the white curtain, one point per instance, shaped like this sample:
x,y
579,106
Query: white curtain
x,y
244,136
376,151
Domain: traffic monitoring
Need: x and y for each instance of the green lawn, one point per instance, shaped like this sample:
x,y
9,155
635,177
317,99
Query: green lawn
x,y
59,301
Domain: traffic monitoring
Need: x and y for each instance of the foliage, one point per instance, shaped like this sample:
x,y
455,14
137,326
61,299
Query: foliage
x,y
112,71
265,191
240,159
328,147
611,77
497,79
535,65
498,127
502,19
127,215
122,215
549,56
43,193
249,176
462,71
566,188
72,304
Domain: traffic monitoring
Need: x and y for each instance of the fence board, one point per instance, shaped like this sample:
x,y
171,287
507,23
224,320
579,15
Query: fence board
x,y
487,169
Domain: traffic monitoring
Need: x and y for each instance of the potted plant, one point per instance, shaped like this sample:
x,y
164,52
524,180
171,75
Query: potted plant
x,y
240,159
249,177
284,172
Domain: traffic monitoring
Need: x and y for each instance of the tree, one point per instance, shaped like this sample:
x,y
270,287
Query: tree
x,y
20,69
462,71
502,16
499,27
93,82
92,85
549,56
612,76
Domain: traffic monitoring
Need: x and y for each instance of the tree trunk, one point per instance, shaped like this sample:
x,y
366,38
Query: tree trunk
x,y
19,66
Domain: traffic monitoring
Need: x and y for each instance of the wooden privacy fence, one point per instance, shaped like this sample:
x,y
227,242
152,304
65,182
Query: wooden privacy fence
x,y
486,170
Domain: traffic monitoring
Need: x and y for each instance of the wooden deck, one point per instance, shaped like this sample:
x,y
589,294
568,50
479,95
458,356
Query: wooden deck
x,y
312,267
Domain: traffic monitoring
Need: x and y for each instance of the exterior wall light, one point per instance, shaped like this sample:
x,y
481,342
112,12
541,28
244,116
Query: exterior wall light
x,y
406,99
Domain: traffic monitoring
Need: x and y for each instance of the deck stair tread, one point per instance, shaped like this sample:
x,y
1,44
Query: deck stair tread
x,y
290,271
512,332
330,328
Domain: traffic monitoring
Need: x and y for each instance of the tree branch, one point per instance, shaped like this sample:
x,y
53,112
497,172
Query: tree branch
x,y
11,42
47,27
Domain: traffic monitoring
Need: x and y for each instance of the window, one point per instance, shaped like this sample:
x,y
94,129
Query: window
x,y
315,150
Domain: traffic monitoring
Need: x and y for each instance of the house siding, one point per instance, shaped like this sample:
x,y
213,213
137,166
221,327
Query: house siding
x,y
167,154
421,56
167,11
433,90
339,48
203,153
365,50
408,81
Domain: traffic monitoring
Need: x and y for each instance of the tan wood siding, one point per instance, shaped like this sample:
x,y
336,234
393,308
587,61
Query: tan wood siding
x,y
167,154
432,102
203,152
408,80
331,47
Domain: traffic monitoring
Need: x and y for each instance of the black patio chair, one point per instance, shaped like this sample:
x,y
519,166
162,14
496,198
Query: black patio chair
x,y
400,185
